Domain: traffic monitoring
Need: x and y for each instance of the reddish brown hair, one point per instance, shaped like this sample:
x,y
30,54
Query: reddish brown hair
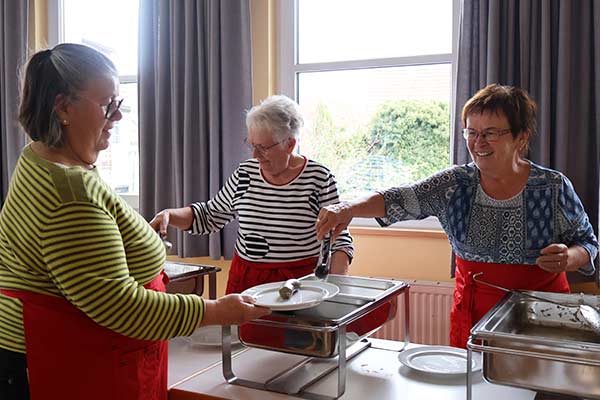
x,y
515,103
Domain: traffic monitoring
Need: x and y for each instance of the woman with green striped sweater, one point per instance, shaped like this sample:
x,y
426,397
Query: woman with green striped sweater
x,y
81,282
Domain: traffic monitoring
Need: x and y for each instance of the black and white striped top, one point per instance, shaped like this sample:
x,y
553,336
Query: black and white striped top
x,y
277,222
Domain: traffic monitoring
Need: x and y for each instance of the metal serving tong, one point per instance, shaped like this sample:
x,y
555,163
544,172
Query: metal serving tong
x,y
324,263
587,314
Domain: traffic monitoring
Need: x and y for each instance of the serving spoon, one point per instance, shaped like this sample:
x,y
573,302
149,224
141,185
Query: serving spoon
x,y
587,314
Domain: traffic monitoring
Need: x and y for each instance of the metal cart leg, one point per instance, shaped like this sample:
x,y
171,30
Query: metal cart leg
x,y
469,365
406,317
341,365
212,285
341,361
226,347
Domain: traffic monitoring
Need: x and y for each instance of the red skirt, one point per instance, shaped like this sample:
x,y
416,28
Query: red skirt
x,y
246,274
70,357
473,300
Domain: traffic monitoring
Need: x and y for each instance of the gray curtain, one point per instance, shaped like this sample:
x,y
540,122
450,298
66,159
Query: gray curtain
x,y
13,53
194,87
551,48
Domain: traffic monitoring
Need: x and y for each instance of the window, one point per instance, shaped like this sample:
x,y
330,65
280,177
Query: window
x,y
110,26
373,79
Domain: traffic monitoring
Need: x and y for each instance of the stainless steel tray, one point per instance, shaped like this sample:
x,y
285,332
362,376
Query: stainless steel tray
x,y
363,305
538,345
180,271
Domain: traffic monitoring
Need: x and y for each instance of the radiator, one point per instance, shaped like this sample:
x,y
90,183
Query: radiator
x,y
430,304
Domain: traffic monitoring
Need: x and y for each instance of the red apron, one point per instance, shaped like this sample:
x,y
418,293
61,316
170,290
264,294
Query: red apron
x,y
246,274
71,357
473,300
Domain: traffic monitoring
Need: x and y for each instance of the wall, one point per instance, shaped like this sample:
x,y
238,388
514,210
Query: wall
x,y
264,48
38,32
390,253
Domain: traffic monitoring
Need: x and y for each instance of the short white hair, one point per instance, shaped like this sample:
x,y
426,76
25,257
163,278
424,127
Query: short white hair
x,y
278,114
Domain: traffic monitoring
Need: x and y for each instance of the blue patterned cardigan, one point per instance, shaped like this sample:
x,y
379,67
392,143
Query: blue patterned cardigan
x,y
483,229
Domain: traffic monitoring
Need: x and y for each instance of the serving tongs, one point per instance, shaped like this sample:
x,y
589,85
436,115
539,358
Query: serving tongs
x,y
168,245
587,314
324,263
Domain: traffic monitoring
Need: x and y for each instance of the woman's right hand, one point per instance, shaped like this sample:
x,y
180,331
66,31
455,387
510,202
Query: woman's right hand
x,y
232,309
333,218
160,222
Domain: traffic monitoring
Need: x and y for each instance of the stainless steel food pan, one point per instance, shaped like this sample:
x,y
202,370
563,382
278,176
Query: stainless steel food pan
x,y
537,345
362,306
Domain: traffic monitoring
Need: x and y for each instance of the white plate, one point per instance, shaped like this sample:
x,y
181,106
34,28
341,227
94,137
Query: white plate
x,y
210,336
310,294
439,360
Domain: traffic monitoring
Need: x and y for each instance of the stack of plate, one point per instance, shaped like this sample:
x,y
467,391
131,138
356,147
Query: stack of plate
x,y
439,360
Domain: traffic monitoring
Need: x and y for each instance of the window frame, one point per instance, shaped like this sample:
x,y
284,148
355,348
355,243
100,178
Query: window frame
x,y
56,35
289,69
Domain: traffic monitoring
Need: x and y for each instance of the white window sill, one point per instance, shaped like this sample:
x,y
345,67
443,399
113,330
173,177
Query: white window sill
x,y
428,228
429,223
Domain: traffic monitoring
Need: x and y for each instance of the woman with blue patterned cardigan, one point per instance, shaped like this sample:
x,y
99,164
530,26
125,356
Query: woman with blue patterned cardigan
x,y
520,224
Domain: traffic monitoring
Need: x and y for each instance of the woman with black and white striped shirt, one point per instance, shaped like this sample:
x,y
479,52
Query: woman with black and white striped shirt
x,y
276,196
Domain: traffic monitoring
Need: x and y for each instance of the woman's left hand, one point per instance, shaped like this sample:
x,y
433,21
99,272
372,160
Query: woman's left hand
x,y
555,258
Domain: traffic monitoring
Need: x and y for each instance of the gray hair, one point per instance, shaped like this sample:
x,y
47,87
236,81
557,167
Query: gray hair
x,y
64,70
279,115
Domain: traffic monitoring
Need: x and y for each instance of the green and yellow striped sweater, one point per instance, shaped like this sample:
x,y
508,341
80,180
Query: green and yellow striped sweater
x,y
64,232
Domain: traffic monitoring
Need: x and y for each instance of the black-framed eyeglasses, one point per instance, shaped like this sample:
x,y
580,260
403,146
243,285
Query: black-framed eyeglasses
x,y
259,147
112,107
490,135
109,109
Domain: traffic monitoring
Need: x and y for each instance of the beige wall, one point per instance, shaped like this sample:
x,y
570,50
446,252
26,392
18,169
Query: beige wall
x,y
264,48
393,253
38,32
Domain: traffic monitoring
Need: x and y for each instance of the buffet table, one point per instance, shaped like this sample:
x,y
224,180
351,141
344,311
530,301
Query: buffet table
x,y
195,372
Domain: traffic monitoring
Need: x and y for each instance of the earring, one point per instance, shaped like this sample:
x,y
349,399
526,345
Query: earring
x,y
65,122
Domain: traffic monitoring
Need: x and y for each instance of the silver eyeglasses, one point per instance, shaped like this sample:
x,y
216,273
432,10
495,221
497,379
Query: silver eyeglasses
x,y
490,135
259,147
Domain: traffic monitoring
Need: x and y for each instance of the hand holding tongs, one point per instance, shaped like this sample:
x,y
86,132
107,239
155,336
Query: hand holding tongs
x,y
324,263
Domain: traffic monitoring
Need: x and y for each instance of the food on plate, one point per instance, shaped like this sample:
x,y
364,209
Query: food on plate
x,y
289,288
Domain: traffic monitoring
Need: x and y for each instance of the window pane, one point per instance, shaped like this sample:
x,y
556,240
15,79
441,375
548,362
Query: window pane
x,y
342,30
119,164
110,26
377,127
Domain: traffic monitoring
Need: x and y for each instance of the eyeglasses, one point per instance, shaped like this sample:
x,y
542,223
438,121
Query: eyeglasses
x,y
259,148
109,109
490,135
112,107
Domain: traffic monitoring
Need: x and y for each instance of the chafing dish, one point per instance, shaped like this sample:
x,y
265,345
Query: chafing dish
x,y
533,344
361,307
180,271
